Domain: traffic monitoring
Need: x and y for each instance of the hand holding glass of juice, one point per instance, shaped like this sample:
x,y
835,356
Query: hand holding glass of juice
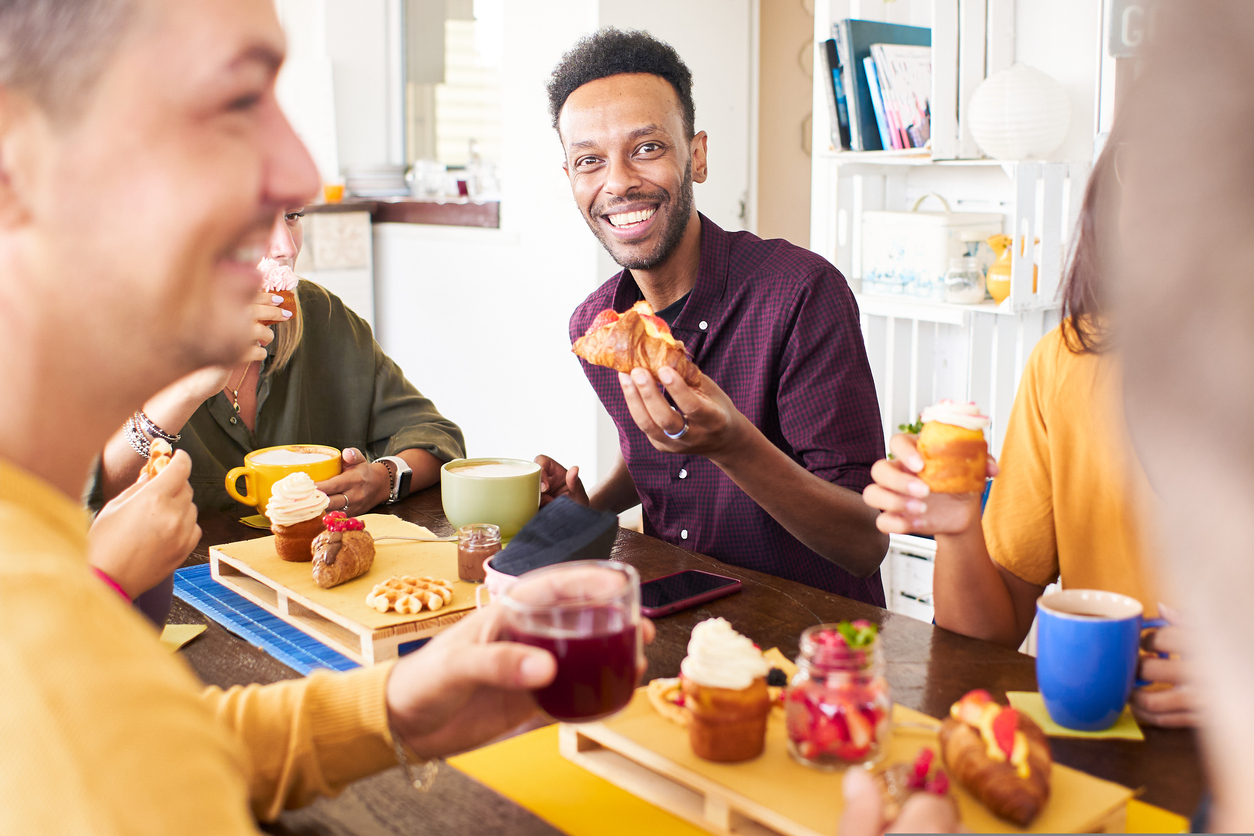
x,y
587,614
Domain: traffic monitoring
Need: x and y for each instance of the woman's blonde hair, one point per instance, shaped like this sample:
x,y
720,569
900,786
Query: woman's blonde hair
x,y
286,337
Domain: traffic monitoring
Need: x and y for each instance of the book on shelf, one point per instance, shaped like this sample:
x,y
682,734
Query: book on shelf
x,y
903,76
877,103
853,46
837,106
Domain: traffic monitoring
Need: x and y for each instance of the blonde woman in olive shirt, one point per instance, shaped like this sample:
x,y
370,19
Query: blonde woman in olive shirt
x,y
322,380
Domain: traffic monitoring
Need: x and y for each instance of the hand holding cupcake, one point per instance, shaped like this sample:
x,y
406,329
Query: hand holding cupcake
x,y
932,482
279,280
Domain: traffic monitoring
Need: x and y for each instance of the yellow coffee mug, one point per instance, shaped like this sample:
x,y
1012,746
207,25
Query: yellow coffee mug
x,y
262,468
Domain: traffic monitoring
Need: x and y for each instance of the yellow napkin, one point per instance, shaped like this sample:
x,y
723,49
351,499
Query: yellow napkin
x,y
1146,818
175,636
1032,704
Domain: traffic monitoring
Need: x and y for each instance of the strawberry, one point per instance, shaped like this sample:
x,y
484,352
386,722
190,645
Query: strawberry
x,y
861,731
922,765
1004,726
851,752
339,521
938,785
656,326
606,317
969,708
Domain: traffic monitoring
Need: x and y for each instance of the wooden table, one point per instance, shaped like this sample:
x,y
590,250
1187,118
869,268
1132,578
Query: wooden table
x,y
927,667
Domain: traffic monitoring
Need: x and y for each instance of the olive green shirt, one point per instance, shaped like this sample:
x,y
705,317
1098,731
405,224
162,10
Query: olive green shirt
x,y
338,389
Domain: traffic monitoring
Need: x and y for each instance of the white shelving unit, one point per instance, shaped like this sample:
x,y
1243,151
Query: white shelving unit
x,y
921,351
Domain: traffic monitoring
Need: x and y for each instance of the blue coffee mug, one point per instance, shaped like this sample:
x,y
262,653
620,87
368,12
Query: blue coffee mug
x,y
1087,647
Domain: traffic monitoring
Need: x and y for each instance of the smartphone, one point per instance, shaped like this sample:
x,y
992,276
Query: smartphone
x,y
672,593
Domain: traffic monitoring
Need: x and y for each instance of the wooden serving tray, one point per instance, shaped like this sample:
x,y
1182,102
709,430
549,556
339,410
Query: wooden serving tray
x,y
339,617
643,753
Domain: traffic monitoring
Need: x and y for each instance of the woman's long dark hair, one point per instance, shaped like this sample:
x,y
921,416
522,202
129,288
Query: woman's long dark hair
x,y
1084,326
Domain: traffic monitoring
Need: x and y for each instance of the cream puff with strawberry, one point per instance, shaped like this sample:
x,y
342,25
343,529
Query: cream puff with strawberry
x,y
999,755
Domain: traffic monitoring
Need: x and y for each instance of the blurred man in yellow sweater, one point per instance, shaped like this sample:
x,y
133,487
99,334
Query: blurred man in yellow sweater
x,y
143,158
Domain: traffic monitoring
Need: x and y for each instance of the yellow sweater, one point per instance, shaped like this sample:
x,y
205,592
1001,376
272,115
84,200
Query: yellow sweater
x,y
104,732
1069,500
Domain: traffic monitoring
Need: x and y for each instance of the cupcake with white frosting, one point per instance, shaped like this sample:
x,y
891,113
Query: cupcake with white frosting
x,y
724,684
295,510
952,446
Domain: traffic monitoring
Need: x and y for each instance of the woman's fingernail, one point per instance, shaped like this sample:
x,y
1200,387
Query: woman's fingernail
x,y
276,299
666,376
287,314
640,376
916,463
919,488
914,506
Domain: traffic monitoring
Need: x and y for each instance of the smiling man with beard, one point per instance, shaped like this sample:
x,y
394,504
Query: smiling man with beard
x,y
762,463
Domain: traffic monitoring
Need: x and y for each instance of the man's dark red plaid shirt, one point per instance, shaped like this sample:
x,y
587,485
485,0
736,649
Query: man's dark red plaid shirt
x,y
777,328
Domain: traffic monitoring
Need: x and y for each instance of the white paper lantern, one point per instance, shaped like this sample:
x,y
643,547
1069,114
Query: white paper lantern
x,y
1019,113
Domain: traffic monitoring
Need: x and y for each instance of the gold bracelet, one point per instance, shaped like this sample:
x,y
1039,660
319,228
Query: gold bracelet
x,y
424,776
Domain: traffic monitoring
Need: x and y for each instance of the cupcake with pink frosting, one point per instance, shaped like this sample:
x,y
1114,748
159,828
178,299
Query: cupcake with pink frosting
x,y
295,510
279,280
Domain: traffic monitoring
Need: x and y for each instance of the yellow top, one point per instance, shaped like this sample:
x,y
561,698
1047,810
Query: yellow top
x,y
107,733
1065,501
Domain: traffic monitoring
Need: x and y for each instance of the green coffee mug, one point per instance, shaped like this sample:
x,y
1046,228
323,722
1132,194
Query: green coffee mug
x,y
503,492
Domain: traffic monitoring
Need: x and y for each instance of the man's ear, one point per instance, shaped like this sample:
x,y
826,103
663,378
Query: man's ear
x,y
23,129
698,148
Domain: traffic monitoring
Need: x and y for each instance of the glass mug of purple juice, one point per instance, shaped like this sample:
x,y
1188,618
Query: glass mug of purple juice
x,y
587,614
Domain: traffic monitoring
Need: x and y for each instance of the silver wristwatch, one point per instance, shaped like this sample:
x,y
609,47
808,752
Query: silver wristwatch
x,y
401,474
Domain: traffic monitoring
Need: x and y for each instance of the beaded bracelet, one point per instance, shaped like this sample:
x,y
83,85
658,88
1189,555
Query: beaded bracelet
x,y
423,778
151,429
136,438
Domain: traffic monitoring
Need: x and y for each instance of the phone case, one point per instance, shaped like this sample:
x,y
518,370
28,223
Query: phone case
x,y
685,603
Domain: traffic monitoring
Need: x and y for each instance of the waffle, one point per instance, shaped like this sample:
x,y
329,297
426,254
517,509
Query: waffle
x,y
409,595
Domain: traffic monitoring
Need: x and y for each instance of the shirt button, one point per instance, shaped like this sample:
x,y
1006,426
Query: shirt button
x,y
683,535
234,420
703,325
683,473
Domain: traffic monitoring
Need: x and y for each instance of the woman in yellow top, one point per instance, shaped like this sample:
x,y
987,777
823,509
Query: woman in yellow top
x,y
1068,495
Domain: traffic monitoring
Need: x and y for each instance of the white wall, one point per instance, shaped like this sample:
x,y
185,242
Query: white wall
x,y
1061,39
357,42
712,36
477,318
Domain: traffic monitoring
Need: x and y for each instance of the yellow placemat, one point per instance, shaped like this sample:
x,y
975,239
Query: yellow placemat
x,y
392,557
1032,704
175,636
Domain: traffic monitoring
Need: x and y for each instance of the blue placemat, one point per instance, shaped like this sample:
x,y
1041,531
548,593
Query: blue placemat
x,y
297,650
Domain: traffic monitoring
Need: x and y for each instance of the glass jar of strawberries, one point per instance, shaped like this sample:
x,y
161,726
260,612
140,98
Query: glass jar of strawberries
x,y
838,708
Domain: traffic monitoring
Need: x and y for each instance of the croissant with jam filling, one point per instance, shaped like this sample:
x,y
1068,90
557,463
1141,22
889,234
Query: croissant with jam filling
x,y
636,338
999,755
